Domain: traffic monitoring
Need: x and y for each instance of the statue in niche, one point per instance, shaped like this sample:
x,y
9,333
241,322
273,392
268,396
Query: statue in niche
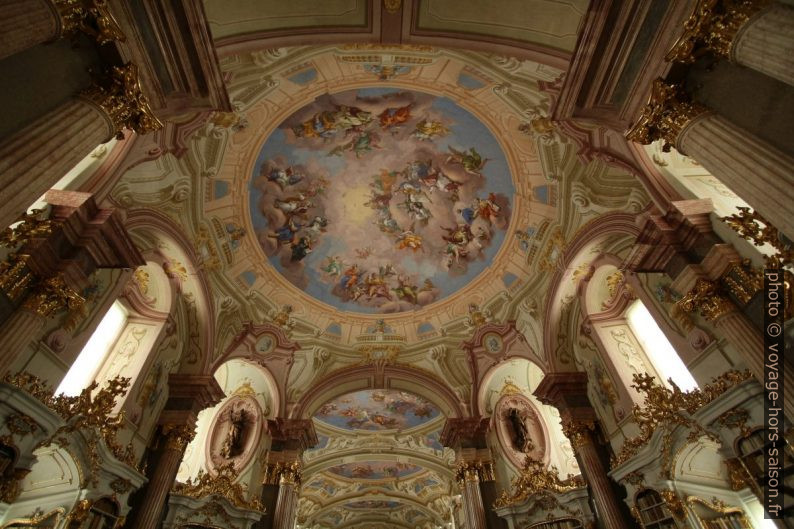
x,y
518,422
233,443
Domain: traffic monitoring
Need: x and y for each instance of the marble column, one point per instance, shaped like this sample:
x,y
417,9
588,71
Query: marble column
x,y
286,510
757,34
35,158
17,333
756,171
766,43
469,481
25,23
706,297
173,439
568,393
54,259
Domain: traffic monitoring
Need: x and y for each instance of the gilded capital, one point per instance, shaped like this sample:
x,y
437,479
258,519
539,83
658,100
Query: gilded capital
x,y
706,298
91,17
668,111
713,26
120,96
52,295
577,430
178,436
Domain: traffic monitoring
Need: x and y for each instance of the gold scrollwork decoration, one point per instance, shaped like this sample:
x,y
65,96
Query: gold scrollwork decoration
x,y
536,479
665,408
713,25
706,298
392,6
577,430
178,436
92,17
753,227
30,225
120,96
51,295
223,485
668,111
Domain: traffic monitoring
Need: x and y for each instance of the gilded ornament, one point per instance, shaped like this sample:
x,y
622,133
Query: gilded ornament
x,y
91,17
537,480
120,96
713,25
178,436
392,6
668,111
221,485
29,226
141,278
738,475
15,276
706,298
577,431
52,295
673,503
751,226
743,281
79,512
11,486
21,424
664,409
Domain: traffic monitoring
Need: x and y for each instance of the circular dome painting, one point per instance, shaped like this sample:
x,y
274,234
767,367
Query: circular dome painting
x,y
380,200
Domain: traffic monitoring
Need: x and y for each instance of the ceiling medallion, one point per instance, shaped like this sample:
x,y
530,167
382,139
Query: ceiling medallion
x,y
380,200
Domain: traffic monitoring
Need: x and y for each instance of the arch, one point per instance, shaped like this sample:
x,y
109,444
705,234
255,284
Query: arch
x,y
588,237
162,229
398,377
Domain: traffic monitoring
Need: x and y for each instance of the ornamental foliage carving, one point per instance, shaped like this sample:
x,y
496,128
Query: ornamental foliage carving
x,y
539,482
665,409
222,485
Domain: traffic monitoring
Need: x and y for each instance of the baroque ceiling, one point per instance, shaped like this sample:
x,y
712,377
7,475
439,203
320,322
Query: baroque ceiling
x,y
374,194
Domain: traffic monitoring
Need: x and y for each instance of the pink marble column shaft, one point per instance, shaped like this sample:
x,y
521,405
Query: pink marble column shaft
x,y
596,475
17,333
150,511
25,23
766,43
738,330
472,501
286,505
757,172
35,158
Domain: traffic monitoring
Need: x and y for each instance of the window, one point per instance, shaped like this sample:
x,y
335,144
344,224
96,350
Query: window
x,y
653,511
93,355
658,348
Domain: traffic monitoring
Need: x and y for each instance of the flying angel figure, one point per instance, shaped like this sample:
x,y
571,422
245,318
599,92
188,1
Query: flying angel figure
x,y
471,160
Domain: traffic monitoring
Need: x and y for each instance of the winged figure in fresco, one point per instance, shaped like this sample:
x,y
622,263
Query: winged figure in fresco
x,y
487,208
286,233
301,249
293,205
409,239
405,289
284,177
427,129
361,144
471,160
333,266
394,117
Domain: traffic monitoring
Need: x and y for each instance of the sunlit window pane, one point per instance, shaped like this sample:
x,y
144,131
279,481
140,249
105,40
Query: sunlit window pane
x,y
93,355
659,350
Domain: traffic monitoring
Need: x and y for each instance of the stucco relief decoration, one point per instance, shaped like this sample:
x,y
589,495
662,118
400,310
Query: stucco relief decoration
x,y
380,200
235,433
519,429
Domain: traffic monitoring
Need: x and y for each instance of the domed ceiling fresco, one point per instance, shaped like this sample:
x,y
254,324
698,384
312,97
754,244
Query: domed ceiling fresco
x,y
380,199
381,409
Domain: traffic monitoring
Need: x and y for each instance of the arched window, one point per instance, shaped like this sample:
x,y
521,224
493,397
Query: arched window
x,y
657,347
96,350
652,510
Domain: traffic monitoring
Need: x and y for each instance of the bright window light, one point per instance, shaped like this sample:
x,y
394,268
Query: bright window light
x,y
659,350
93,355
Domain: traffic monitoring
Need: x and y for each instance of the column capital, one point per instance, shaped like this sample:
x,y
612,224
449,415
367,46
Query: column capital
x,y
91,17
178,436
297,432
121,98
668,111
459,431
713,25
705,297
